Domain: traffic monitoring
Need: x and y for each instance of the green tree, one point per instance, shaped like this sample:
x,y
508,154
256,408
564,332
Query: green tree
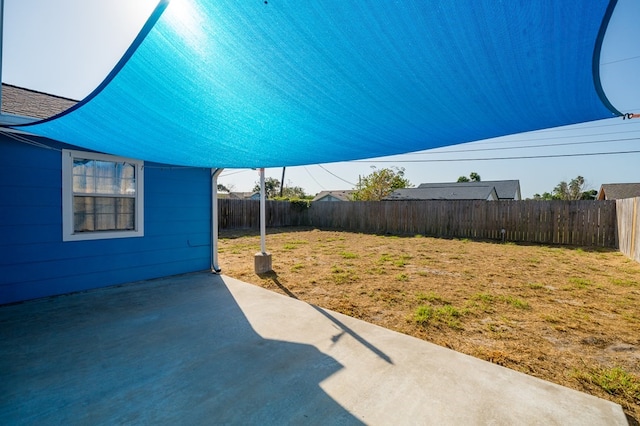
x,y
576,189
223,188
380,183
271,187
473,177
544,196
294,192
572,190
591,194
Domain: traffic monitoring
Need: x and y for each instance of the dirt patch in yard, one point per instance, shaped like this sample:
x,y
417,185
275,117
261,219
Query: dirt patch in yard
x,y
566,315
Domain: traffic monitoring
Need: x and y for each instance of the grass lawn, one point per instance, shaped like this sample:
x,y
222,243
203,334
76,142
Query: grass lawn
x,y
566,315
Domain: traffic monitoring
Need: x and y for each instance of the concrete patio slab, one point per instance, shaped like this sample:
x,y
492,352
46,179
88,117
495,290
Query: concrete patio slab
x,y
206,349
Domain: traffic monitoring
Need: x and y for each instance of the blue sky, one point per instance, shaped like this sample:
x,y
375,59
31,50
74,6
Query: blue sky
x,y
67,47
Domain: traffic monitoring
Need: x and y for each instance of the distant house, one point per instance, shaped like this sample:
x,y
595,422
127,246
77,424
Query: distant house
x,y
446,192
485,190
74,219
615,191
506,189
244,196
333,196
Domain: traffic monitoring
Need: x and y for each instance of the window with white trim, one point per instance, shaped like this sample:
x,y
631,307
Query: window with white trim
x,y
102,196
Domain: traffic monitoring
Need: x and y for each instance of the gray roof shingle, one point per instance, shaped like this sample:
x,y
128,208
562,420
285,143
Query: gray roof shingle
x,y
31,103
616,191
243,195
445,192
506,189
343,195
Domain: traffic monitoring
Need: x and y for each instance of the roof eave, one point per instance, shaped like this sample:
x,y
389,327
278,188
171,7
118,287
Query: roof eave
x,y
12,119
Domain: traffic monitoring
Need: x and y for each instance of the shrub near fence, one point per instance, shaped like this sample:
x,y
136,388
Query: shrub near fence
x,y
581,223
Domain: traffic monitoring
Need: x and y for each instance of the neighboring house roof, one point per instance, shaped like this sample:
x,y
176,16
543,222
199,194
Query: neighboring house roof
x,y
615,191
445,192
333,196
506,189
33,104
244,195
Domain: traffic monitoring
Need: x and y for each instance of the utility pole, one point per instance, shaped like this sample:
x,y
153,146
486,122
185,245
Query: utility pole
x,y
282,182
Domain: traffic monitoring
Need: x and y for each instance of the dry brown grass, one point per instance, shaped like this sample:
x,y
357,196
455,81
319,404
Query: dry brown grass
x,y
567,315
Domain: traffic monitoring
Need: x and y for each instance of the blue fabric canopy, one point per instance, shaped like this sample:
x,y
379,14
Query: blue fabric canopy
x,y
257,83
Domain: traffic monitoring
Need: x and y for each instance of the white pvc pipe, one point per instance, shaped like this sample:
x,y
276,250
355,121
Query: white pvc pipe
x,y
263,214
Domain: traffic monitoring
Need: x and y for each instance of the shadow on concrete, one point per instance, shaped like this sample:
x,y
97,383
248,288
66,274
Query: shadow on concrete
x,y
176,350
273,276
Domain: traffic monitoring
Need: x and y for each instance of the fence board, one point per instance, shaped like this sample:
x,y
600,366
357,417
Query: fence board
x,y
628,221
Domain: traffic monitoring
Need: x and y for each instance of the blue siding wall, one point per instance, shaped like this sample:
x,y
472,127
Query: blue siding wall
x,y
35,262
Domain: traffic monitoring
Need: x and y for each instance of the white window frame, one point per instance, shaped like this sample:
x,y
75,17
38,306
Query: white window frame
x,y
68,233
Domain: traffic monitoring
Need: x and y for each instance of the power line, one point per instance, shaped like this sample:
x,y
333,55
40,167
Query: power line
x,y
24,139
573,128
336,176
311,176
527,157
234,173
514,140
524,146
620,60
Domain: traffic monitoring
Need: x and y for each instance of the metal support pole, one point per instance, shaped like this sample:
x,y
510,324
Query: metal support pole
x,y
263,214
214,220
262,259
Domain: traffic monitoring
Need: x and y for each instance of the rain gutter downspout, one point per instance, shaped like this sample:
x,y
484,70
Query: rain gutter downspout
x,y
1,43
214,220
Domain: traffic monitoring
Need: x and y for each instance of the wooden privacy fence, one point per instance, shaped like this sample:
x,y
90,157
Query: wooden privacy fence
x,y
582,223
628,212
245,214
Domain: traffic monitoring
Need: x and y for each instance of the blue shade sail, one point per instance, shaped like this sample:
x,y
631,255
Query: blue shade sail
x,y
256,83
